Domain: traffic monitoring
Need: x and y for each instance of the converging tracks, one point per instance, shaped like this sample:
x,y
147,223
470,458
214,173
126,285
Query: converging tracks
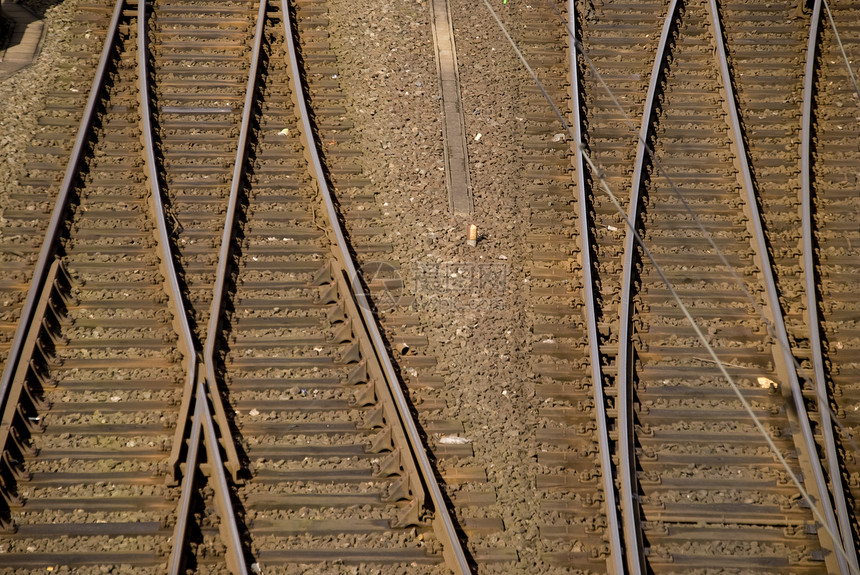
x,y
197,350
699,482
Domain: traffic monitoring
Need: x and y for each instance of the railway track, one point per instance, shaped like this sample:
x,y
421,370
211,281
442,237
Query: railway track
x,y
89,401
697,484
702,481
199,382
826,233
198,350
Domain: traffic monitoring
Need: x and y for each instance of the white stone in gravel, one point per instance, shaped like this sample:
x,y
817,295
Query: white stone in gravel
x,y
453,440
767,383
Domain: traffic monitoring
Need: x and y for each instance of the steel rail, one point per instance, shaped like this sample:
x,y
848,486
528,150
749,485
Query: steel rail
x,y
636,562
61,206
228,235
162,237
812,303
817,486
201,408
229,526
615,563
452,548
176,564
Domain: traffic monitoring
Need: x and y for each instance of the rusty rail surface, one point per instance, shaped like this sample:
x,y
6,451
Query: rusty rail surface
x,y
616,560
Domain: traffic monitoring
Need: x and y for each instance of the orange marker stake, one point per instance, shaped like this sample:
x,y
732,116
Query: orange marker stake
x,y
473,236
